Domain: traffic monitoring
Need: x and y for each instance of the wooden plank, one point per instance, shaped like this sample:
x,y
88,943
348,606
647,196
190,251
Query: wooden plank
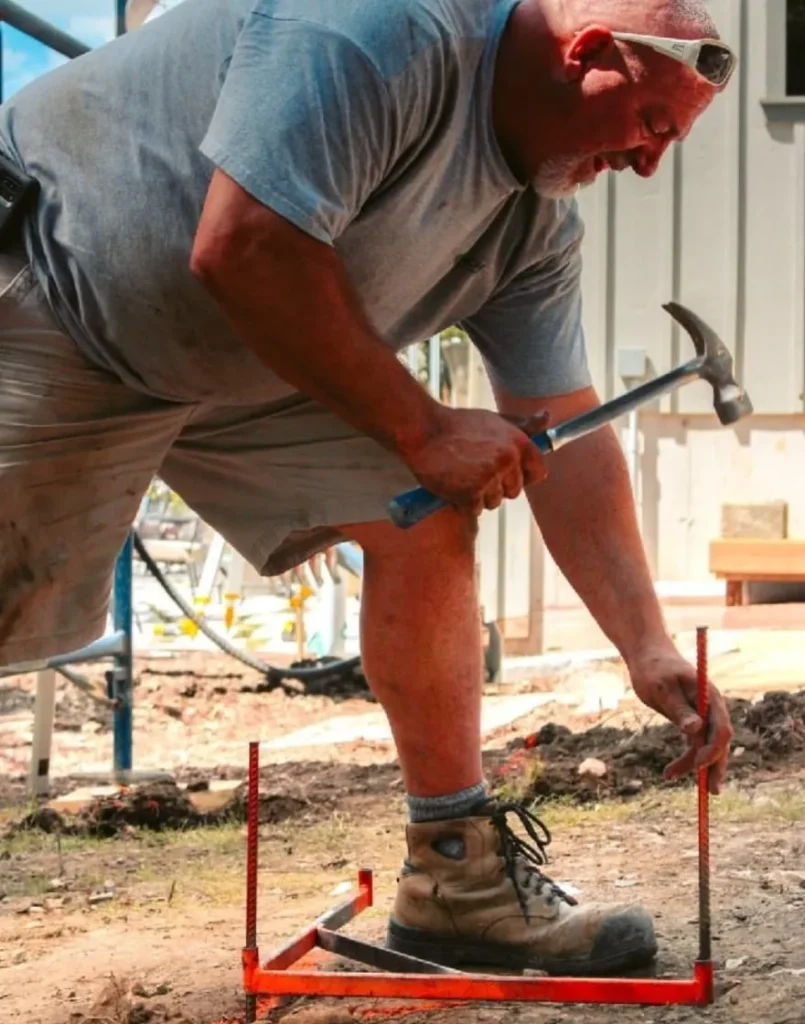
x,y
758,559
766,521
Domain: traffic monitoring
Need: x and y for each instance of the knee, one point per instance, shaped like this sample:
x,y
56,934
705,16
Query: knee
x,y
448,535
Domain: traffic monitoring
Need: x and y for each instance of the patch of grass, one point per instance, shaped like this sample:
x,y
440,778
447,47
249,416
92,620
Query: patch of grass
x,y
740,806
223,838
737,805
43,842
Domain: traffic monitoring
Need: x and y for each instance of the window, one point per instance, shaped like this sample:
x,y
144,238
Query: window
x,y
795,48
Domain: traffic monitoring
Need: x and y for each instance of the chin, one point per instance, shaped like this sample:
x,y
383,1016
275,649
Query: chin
x,y
555,189
562,179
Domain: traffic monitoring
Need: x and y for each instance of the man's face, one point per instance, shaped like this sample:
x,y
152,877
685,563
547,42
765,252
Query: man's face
x,y
620,124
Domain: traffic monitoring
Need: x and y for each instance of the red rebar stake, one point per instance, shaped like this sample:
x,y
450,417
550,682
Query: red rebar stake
x,y
250,953
705,959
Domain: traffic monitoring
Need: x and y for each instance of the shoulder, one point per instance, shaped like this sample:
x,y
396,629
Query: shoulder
x,y
392,34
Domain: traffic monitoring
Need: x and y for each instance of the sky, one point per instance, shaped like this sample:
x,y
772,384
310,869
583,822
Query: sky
x,y
91,21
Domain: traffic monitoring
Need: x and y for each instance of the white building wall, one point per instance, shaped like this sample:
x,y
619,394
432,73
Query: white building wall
x,y
720,228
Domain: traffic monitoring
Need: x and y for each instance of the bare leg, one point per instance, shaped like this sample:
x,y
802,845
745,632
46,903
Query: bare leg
x,y
421,646
422,655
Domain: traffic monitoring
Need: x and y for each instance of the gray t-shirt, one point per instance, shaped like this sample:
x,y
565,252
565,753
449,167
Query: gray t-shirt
x,y
366,123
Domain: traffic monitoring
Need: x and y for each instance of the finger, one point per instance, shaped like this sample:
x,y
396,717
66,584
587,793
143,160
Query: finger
x,y
682,765
493,495
718,775
532,465
537,424
512,481
669,700
719,730
530,425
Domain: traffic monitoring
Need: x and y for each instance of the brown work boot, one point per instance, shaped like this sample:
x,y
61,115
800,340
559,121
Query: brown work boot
x,y
472,892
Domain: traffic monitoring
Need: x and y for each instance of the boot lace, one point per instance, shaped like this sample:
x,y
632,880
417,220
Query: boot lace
x,y
528,857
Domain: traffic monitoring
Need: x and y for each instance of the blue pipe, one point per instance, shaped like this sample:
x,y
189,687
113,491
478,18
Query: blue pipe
x,y
122,686
122,678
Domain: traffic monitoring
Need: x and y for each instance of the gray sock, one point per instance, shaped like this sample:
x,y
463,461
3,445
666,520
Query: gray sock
x,y
451,805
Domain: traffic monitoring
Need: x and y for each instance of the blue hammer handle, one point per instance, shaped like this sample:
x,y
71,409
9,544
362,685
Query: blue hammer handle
x,y
410,508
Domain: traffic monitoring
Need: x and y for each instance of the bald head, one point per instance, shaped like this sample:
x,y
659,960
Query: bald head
x,y
685,19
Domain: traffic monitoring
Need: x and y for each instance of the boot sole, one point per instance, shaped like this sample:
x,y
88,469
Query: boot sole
x,y
452,951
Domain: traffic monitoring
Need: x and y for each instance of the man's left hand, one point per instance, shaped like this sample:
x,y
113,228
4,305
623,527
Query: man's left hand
x,y
666,682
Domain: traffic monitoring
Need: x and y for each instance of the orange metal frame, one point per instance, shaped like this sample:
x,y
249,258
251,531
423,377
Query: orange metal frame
x,y
407,978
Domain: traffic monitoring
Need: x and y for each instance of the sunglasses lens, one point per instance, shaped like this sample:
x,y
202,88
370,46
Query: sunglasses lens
x,y
714,63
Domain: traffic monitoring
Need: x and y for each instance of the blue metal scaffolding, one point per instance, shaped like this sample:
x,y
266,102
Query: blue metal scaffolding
x,y
118,645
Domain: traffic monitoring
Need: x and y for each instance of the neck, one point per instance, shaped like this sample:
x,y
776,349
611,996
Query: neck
x,y
526,93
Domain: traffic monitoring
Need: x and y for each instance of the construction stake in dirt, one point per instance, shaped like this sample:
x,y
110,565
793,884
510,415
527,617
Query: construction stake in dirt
x,y
403,977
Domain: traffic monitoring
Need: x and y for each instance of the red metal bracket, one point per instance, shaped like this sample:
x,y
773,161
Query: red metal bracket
x,y
405,977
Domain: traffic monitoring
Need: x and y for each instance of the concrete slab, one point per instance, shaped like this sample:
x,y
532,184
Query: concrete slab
x,y
521,670
374,728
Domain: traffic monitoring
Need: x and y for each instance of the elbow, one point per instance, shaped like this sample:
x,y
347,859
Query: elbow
x,y
206,262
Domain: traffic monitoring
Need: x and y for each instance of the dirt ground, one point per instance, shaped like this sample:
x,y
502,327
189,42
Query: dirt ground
x,y
145,925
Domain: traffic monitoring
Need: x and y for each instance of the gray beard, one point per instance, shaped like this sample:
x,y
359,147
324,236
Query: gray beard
x,y
556,178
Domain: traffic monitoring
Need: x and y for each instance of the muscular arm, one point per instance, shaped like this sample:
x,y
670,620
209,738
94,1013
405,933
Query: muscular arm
x,y
586,514
288,296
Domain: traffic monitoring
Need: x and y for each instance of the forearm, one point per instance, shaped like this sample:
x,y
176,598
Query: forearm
x,y
586,514
289,297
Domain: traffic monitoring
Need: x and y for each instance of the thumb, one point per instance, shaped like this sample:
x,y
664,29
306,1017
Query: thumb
x,y
678,711
530,425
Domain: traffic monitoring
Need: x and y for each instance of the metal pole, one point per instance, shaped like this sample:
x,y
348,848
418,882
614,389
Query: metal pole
x,y
252,825
40,30
121,677
705,936
120,26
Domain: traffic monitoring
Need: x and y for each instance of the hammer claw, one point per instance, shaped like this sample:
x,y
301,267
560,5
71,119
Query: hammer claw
x,y
730,401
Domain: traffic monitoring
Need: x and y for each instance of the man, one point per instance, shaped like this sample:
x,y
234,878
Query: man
x,y
245,208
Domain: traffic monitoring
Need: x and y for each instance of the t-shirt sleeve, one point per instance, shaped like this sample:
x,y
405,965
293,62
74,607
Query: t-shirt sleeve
x,y
303,123
530,334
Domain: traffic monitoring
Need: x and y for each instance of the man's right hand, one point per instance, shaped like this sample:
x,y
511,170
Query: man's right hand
x,y
475,458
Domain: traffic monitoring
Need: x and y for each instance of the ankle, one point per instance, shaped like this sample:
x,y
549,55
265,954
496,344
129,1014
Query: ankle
x,y
451,805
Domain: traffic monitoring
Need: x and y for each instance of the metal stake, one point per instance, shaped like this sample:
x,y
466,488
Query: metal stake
x,y
252,821
705,927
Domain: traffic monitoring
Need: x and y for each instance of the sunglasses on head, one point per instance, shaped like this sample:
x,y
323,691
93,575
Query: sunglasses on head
x,y
711,59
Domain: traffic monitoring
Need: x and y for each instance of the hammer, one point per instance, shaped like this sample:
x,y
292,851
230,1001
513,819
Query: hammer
x,y
713,363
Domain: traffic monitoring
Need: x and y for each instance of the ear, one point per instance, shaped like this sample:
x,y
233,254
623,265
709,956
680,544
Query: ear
x,y
587,50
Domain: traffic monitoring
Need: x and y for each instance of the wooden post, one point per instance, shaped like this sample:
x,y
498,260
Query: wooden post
x,y
44,713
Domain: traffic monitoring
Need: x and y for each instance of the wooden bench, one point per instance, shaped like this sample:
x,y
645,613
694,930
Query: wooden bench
x,y
756,561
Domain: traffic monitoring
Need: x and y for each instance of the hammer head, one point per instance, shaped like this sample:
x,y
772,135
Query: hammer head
x,y
730,401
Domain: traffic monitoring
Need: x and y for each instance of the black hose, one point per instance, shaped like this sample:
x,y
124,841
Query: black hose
x,y
272,673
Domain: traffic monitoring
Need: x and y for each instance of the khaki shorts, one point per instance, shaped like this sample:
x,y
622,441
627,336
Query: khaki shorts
x,y
78,450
